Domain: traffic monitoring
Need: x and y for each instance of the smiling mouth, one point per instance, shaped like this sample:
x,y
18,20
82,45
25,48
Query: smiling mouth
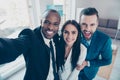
x,y
68,40
49,32
87,33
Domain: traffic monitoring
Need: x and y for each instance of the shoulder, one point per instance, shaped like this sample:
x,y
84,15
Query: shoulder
x,y
102,35
30,32
101,38
26,31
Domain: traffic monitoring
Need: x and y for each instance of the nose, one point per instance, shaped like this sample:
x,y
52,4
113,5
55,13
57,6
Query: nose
x,y
50,26
69,35
88,27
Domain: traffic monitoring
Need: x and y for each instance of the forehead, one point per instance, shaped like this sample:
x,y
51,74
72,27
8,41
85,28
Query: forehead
x,y
88,19
70,27
52,16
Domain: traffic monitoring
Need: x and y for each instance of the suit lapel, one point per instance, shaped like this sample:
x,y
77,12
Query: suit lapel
x,y
40,37
93,46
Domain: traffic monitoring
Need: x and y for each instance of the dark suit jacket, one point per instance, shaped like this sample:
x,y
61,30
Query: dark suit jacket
x,y
35,51
99,53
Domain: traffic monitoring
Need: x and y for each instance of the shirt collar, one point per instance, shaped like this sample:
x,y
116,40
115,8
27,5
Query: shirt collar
x,y
46,40
88,41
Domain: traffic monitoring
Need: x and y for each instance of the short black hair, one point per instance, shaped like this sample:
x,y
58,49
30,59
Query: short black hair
x,y
47,12
89,11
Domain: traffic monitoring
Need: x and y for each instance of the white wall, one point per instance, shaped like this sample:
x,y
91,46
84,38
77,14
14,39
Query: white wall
x,y
36,8
109,9
43,4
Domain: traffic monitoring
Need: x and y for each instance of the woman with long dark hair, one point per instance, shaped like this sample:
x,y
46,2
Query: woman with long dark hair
x,y
71,49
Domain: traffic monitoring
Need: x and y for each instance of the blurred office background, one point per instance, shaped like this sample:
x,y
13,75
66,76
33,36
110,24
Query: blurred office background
x,y
16,15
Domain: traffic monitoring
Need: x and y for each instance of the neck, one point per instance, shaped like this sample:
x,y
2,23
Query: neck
x,y
67,51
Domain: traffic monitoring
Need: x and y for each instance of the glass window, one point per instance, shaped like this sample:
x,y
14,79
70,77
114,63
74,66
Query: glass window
x,y
13,16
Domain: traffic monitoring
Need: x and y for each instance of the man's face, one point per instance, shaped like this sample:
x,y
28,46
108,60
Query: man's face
x,y
88,25
51,25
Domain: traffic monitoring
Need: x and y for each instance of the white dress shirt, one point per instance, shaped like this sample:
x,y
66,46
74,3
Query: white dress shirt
x,y
50,73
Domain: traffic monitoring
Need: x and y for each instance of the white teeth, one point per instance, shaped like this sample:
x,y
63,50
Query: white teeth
x,y
49,32
87,32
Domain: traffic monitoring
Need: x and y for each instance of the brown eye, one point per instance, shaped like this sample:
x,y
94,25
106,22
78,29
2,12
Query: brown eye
x,y
56,24
92,24
83,24
65,32
46,22
73,32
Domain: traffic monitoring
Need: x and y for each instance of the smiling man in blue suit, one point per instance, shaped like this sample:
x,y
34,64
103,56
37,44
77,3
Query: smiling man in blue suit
x,y
99,51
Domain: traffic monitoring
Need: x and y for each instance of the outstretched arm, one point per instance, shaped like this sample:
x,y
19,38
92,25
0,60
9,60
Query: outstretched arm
x,y
11,48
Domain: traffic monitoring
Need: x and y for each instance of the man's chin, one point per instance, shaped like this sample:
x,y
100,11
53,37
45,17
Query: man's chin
x,y
87,37
49,37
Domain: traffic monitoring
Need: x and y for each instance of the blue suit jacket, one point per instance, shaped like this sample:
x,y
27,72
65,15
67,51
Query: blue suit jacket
x,y
35,51
99,53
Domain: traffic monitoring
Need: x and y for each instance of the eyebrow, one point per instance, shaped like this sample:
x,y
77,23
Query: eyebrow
x,y
50,21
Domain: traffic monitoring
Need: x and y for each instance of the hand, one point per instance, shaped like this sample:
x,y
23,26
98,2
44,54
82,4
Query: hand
x,y
80,67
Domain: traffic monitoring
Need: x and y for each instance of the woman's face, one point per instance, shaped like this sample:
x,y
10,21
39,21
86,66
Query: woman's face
x,y
70,34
